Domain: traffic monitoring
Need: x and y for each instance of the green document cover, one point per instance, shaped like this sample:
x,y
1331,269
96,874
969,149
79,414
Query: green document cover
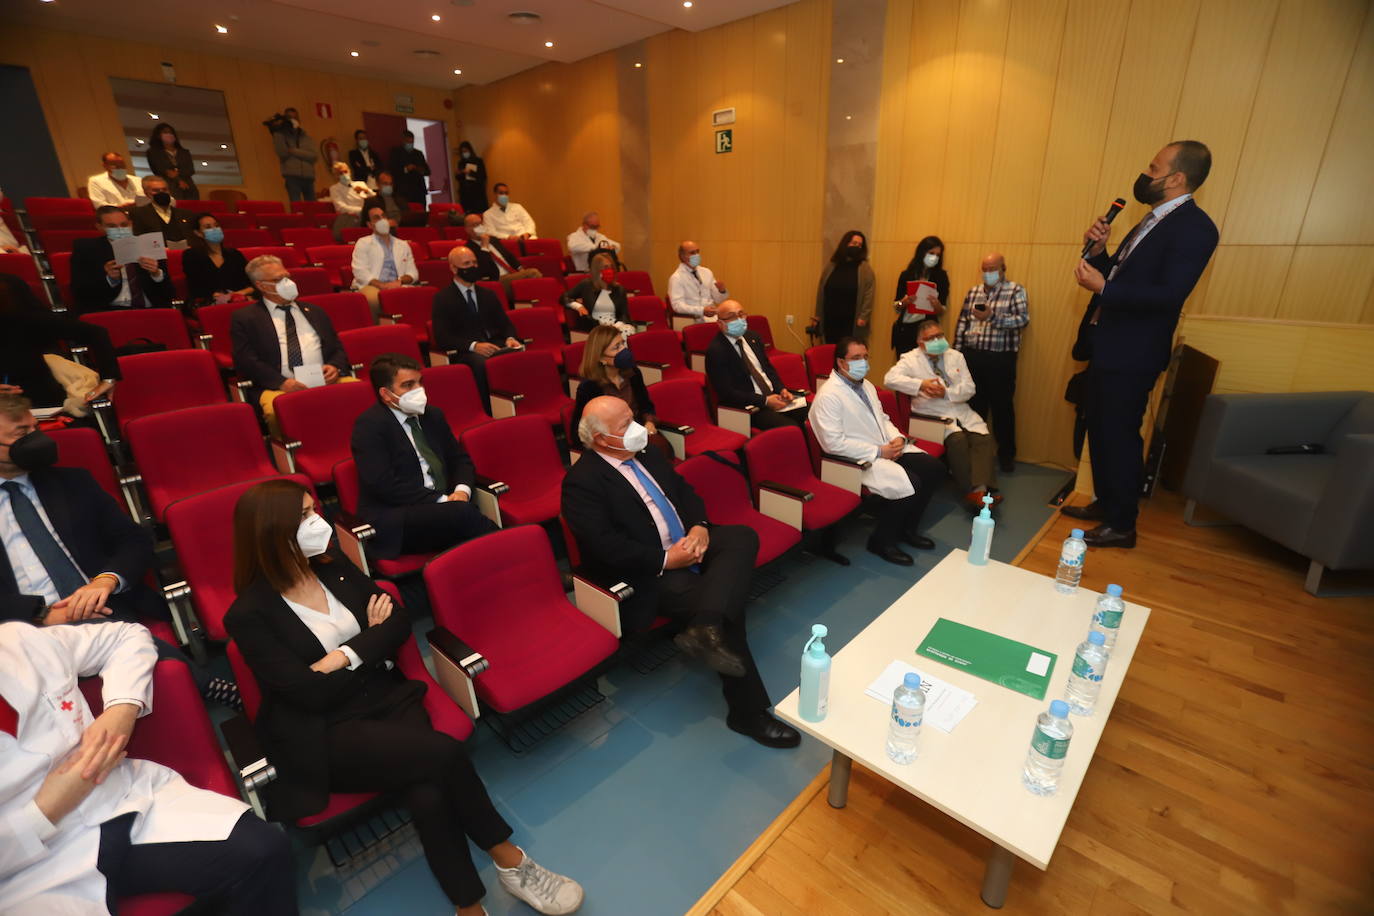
x,y
994,658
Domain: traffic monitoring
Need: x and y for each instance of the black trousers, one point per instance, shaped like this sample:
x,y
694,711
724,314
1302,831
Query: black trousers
x,y
250,872
1115,409
431,527
478,364
896,516
994,375
766,419
716,596
438,785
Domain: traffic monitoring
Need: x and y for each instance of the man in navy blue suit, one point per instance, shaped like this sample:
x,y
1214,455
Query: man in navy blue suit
x,y
1127,330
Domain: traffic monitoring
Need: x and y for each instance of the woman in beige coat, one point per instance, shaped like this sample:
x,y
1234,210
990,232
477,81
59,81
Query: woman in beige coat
x,y
844,296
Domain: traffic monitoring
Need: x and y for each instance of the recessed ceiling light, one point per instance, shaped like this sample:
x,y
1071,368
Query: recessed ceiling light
x,y
153,116
849,117
839,60
224,146
223,30
205,163
352,53
687,4
638,65
436,17
457,72
548,44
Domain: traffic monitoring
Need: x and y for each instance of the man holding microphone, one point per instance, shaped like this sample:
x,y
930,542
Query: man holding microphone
x,y
1127,330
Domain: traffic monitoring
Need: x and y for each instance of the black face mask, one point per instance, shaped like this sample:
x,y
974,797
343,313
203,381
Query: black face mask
x,y
1145,192
162,198
34,451
469,274
854,254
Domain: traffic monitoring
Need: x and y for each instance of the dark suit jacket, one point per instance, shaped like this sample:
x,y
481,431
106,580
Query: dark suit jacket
x,y
161,162
257,355
98,535
487,263
615,532
299,705
1141,305
32,329
587,293
411,184
730,377
91,288
389,477
457,328
358,165
145,220
204,279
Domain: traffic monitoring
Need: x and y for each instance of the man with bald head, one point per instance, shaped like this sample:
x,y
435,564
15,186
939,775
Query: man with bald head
x,y
989,335
469,321
693,291
740,373
637,521
113,186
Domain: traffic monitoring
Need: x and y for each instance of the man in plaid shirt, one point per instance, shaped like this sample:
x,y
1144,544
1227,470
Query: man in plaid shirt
x,y
989,336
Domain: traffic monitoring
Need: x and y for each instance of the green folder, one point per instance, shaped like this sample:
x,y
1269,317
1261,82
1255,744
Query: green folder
x,y
994,658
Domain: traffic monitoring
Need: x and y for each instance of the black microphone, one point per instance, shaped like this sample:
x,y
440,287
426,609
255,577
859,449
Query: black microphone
x,y
1117,206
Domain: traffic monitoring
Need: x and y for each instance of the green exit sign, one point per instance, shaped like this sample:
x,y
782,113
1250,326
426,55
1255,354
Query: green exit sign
x,y
725,141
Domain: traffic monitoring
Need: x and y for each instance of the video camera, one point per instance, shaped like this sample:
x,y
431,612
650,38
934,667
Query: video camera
x,y
277,122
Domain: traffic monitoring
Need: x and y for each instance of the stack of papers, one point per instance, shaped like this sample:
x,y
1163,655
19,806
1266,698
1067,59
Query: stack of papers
x,y
946,705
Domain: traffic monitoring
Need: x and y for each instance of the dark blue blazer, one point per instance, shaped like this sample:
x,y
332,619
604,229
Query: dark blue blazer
x,y
257,354
1141,305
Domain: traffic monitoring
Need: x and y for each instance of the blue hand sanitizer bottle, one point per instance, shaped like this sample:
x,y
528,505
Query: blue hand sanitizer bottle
x,y
814,696
981,545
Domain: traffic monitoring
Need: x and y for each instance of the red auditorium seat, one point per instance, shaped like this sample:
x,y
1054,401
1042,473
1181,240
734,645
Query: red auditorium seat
x,y
157,382
660,353
347,311
36,205
498,289
312,281
351,234
331,257
760,326
791,368
228,221
55,240
524,384
636,282
345,476
422,234
439,248
307,238
725,491
214,324
61,262
454,391
291,257
521,453
312,206
164,326
25,268
682,403
649,310
572,364
434,273
539,292
819,361
363,345
257,207
250,238
316,425
547,266
82,447
502,595
928,431
571,280
45,222
780,457
409,305
439,213
695,339
276,222
546,248
540,331
458,233
208,206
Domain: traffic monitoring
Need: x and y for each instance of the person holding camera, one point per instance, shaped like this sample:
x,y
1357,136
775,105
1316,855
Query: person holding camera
x,y
988,333
297,153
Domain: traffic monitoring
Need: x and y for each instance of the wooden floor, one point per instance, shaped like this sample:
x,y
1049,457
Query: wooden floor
x,y
1236,774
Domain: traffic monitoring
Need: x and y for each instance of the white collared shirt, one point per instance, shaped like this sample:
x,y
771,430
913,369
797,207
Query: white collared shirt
x,y
665,539
512,221
690,294
349,198
30,576
425,475
738,344
104,191
1158,213
125,297
311,353
332,630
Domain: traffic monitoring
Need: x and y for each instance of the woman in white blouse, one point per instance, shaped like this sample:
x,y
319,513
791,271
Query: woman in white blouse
x,y
599,299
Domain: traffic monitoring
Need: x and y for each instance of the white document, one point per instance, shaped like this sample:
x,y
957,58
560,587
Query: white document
x,y
152,245
310,376
796,404
1038,664
946,705
125,250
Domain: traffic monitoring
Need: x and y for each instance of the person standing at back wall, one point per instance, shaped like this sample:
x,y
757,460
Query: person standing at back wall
x,y
988,333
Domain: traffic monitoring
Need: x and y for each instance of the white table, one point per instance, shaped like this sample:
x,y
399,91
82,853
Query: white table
x,y
973,774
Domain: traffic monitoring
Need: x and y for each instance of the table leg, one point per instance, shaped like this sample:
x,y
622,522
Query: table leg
x,y
996,876
839,779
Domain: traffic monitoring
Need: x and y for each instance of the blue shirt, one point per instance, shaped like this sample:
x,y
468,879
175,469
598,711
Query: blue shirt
x,y
388,263
30,577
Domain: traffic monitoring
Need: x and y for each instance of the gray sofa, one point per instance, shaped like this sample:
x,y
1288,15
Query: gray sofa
x,y
1322,505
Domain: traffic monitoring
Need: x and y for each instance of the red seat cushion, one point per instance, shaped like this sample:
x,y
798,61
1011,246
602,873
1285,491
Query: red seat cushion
x,y
712,438
160,904
339,803
935,448
403,565
525,508
830,504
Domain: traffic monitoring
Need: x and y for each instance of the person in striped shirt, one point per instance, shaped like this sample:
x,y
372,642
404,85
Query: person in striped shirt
x,y
988,333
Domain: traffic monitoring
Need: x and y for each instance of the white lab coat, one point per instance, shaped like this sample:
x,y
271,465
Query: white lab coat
x,y
581,245
368,258
689,295
844,425
915,367
510,222
104,192
51,870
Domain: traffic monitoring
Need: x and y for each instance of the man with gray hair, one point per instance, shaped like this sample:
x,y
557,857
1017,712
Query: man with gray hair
x,y
587,238
160,213
638,521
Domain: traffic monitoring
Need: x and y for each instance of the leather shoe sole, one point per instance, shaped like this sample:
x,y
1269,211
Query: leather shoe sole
x,y
766,730
919,541
1104,536
891,555
1089,513
695,642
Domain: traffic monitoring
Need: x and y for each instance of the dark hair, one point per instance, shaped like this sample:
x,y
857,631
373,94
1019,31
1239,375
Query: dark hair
x,y
500,184
372,203
842,347
356,132
1194,160
925,321
265,521
382,372
161,126
468,146
290,108
195,241
924,245
387,173
838,256
104,156
101,211
408,133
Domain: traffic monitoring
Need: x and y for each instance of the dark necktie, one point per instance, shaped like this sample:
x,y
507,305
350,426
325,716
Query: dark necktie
x,y
293,341
472,301
938,364
436,467
760,379
66,578
696,276
133,273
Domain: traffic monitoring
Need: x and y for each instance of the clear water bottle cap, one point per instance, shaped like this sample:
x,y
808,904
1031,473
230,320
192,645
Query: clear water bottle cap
x,y
1059,709
1096,638
1114,591
912,680
1077,532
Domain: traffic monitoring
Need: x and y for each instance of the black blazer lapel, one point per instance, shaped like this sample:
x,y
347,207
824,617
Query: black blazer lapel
x,y
55,503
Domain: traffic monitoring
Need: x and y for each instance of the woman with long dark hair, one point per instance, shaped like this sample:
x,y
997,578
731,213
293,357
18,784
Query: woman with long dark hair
x,y
169,160
844,296
215,273
337,715
472,179
927,263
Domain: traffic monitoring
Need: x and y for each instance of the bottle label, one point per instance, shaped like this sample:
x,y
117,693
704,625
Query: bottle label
x,y
1109,619
1071,560
1053,748
1084,669
823,693
914,722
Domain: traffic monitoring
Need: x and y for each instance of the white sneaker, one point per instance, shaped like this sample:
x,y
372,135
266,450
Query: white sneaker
x,y
547,892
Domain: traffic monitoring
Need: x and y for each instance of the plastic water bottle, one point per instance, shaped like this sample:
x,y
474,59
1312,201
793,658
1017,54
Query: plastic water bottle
x,y
1085,680
1049,746
1107,616
813,699
904,725
1070,563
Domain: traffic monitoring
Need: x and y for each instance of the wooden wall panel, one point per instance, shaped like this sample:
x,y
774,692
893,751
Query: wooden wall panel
x,y
1246,280
1271,356
1309,293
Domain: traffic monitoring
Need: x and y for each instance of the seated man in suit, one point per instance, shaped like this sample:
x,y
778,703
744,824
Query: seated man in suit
x,y
161,214
33,329
495,258
276,338
469,321
848,420
414,479
741,375
636,520
100,284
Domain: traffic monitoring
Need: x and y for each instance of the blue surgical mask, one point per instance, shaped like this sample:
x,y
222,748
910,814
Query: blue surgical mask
x,y
936,345
694,260
388,190
992,277
409,146
215,235
736,327
362,144
503,199
858,368
119,174
118,232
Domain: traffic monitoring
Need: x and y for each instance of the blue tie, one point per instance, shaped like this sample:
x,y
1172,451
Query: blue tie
x,y
665,508
66,578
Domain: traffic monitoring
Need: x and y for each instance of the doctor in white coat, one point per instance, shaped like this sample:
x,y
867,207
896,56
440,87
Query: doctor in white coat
x,y
74,811
849,421
938,380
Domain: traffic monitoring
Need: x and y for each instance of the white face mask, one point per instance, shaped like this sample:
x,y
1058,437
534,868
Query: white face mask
x,y
413,402
382,227
286,288
636,438
314,535
344,178
930,260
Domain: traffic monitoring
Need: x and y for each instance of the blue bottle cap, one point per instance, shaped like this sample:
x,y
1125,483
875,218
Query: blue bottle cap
x,y
1096,638
1114,591
1077,532
1059,709
912,680
818,630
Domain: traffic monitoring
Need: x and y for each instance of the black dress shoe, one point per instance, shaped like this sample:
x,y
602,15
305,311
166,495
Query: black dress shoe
x,y
1092,512
919,541
890,554
765,729
1107,536
707,643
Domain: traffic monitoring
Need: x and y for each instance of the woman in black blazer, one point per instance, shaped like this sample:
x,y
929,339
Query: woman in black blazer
x,y
605,372
168,159
215,273
927,263
472,179
338,716
583,298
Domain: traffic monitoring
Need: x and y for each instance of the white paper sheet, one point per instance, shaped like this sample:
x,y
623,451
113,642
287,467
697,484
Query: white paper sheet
x,y
125,250
946,705
310,376
152,245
